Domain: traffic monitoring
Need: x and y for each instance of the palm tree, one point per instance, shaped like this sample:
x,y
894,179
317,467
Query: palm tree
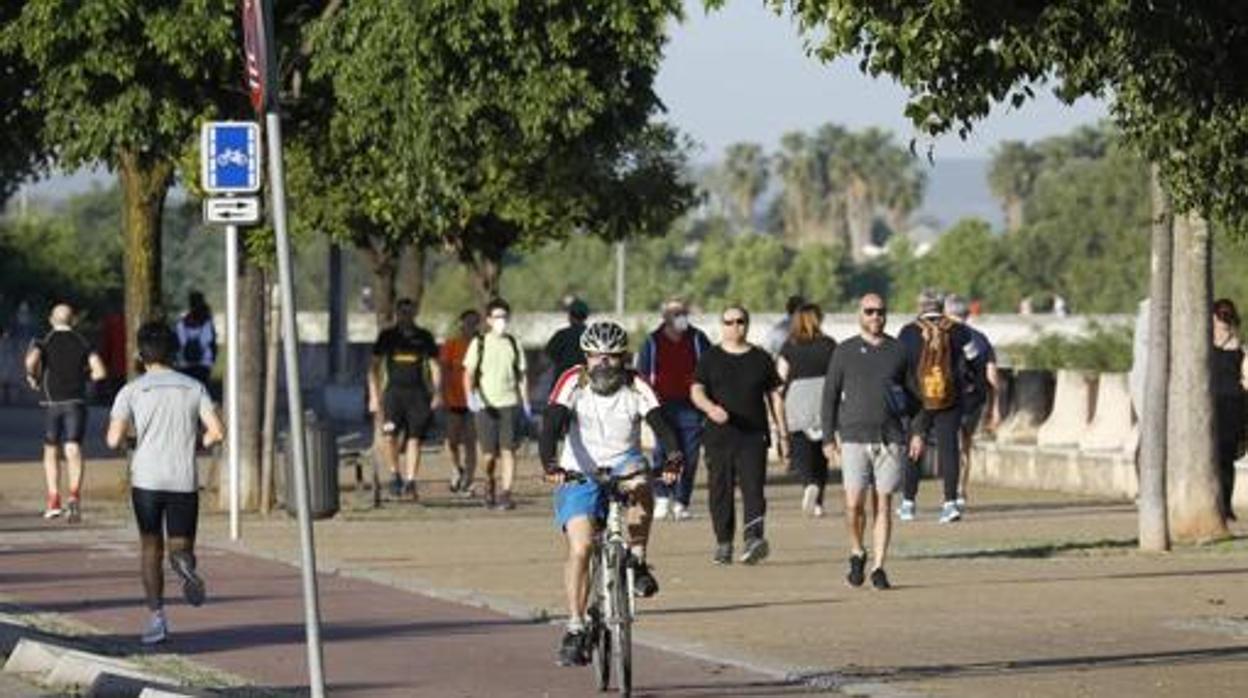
x,y
874,172
745,174
802,171
1012,178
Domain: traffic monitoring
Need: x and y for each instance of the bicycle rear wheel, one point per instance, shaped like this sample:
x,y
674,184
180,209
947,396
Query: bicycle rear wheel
x,y
623,629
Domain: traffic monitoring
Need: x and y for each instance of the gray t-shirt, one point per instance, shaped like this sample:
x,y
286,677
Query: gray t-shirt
x,y
165,408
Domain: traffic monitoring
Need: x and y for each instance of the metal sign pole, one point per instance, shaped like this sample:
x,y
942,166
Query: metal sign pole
x,y
232,371
294,401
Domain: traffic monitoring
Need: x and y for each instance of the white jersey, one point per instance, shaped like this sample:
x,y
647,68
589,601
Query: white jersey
x,y
605,430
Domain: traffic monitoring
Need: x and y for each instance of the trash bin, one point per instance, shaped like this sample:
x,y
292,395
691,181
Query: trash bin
x,y
321,454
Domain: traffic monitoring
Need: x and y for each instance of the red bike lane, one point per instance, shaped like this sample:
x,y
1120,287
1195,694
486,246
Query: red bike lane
x,y
378,640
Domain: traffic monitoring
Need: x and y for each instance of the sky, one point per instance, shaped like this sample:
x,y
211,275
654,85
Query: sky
x,y
741,74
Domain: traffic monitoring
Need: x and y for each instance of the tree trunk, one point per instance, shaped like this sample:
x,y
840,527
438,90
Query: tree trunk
x,y
1192,476
385,266
486,278
268,447
412,273
251,344
1154,529
144,184
1013,213
859,214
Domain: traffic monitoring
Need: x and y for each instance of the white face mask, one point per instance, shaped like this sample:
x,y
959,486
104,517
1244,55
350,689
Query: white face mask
x,y
680,323
498,325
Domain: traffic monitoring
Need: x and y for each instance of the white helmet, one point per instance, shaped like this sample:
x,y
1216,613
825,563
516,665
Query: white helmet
x,y
604,337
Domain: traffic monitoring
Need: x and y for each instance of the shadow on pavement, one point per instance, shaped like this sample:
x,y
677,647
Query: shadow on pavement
x,y
690,610
1030,666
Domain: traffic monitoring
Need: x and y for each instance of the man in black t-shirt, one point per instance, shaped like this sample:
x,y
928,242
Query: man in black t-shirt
x,y
735,386
58,365
408,355
564,348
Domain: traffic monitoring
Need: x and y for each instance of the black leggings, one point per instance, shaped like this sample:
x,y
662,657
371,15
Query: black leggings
x,y
1229,429
942,446
736,459
807,457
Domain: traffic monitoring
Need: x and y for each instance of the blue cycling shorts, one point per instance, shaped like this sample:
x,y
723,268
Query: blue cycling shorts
x,y
573,499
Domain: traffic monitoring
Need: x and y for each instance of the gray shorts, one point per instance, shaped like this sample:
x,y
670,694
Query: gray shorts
x,y
461,428
496,429
875,464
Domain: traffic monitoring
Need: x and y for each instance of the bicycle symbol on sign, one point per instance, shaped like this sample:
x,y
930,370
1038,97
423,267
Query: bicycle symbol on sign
x,y
232,156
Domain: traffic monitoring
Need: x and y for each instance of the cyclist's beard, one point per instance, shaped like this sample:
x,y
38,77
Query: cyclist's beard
x,y
605,380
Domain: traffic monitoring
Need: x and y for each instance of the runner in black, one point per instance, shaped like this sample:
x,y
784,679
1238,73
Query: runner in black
x,y
58,365
408,354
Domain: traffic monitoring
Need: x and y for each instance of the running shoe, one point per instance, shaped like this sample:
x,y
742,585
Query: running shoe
x,y
818,512
156,630
488,500
409,491
879,579
644,583
572,648
457,479
73,511
504,502
193,589
680,512
950,513
756,550
857,569
810,499
662,508
396,486
723,554
53,509
906,511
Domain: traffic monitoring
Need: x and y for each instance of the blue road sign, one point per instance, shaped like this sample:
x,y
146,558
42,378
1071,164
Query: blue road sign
x,y
230,151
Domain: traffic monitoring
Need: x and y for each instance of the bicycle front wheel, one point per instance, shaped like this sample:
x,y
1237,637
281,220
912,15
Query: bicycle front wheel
x,y
600,633
623,630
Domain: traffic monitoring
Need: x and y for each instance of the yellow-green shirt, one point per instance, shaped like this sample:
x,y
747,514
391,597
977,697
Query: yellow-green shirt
x,y
498,384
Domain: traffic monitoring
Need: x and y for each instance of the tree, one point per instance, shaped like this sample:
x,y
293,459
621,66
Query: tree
x,y
804,200
745,172
507,125
22,152
126,84
1172,68
1012,177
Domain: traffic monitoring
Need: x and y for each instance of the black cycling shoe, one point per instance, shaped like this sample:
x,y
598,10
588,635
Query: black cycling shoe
x,y
644,583
857,567
572,649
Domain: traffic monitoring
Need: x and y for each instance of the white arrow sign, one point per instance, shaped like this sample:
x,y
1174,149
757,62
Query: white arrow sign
x,y
235,211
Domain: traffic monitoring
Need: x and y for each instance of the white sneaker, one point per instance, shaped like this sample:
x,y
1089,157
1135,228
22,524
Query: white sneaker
x,y
961,502
810,497
906,511
950,513
662,508
817,512
156,630
680,512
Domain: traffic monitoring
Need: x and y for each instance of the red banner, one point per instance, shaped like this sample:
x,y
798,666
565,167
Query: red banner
x,y
256,54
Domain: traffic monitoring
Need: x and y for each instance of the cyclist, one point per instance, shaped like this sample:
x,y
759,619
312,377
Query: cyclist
x,y
599,407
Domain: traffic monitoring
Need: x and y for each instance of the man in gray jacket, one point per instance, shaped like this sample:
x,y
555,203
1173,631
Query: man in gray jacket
x,y
870,389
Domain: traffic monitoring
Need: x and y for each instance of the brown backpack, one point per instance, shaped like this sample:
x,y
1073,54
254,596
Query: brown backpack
x,y
937,387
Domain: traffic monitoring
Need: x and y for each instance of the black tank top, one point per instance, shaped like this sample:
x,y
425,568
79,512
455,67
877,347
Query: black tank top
x,y
1227,364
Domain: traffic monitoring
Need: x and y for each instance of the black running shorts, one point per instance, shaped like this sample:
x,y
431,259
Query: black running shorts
x,y
64,423
159,512
407,412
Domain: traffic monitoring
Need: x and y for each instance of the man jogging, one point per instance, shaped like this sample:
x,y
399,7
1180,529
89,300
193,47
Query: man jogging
x,y
58,365
412,391
164,409
867,393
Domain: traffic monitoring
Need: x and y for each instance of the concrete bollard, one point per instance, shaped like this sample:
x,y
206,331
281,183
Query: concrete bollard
x,y
1031,400
1111,427
1072,410
33,657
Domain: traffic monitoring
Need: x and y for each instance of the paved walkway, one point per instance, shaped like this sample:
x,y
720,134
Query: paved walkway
x,y
1034,594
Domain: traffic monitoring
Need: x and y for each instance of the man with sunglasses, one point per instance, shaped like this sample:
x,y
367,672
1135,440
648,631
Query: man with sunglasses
x,y
598,407
667,360
866,396
736,387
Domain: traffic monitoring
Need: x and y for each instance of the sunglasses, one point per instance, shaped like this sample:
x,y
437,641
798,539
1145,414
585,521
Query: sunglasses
x,y
738,321
874,311
499,316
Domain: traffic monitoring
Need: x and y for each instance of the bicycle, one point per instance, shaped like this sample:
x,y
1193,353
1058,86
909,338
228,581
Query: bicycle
x,y
612,604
